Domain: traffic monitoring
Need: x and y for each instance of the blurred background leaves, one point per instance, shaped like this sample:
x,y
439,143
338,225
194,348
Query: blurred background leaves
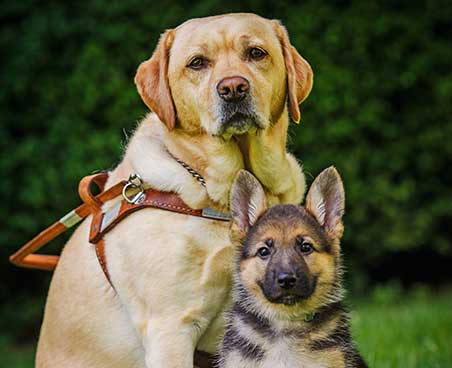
x,y
380,111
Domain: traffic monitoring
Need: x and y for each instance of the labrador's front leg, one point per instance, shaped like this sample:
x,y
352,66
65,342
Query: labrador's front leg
x,y
276,169
169,345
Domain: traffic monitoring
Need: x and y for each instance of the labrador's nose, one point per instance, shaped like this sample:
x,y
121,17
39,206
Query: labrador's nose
x,y
233,89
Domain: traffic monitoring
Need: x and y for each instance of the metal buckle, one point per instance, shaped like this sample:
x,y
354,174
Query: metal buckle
x,y
135,182
215,215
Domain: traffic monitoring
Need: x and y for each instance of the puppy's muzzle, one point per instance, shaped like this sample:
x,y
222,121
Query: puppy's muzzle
x,y
233,89
286,280
288,286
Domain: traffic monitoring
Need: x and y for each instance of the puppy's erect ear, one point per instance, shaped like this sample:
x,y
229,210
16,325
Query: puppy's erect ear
x,y
152,81
248,203
326,201
299,73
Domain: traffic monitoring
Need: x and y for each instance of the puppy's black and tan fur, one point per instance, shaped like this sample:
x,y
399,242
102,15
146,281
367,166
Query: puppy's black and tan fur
x,y
288,309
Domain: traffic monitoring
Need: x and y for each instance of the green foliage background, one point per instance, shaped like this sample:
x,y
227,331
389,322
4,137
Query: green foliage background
x,y
380,111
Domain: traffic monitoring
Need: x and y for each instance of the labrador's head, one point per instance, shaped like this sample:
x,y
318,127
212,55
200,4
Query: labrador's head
x,y
224,75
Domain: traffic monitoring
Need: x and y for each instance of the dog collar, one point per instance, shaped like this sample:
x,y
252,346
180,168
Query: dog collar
x,y
307,317
192,172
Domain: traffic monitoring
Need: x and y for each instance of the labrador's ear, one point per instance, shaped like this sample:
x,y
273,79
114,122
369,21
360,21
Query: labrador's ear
x,y
326,200
299,73
152,81
248,203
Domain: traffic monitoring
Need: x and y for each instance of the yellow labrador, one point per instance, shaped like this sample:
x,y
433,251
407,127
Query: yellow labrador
x,y
221,89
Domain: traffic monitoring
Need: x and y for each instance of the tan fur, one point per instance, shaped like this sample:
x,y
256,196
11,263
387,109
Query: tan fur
x,y
171,272
300,76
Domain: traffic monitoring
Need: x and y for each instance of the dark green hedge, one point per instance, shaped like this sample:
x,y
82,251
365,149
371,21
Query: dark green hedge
x,y
380,111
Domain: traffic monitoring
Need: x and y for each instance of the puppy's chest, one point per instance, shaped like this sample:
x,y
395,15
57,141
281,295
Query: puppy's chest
x,y
270,350
284,352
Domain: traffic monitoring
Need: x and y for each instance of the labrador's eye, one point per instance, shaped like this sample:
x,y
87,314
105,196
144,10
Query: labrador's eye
x,y
197,63
256,53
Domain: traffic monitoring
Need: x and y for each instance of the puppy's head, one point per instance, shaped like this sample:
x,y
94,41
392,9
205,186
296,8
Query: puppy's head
x,y
289,255
224,75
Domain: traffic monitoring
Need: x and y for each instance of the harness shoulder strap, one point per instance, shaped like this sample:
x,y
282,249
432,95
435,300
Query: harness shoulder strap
x,y
151,199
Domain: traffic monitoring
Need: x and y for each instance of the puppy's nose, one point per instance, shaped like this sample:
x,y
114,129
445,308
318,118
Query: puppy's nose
x,y
233,89
286,280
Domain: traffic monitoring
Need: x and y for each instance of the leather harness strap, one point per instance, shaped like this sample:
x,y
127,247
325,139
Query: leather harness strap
x,y
163,200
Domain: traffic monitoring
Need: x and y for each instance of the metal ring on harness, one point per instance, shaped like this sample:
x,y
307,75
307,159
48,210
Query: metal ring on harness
x,y
134,182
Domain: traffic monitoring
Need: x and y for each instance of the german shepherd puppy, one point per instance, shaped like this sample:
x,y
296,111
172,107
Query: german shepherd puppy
x,y
288,309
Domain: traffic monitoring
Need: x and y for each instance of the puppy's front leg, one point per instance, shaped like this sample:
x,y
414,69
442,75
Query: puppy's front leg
x,y
168,345
276,169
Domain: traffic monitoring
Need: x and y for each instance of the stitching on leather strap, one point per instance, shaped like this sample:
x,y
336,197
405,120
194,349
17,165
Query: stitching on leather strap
x,y
100,253
166,205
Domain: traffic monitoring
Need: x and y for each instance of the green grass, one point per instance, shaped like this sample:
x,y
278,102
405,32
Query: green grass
x,y
391,331
13,356
406,332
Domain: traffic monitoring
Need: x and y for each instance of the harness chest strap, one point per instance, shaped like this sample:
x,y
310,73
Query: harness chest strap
x,y
103,222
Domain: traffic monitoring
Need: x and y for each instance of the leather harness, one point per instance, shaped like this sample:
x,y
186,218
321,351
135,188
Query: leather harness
x,y
135,197
104,221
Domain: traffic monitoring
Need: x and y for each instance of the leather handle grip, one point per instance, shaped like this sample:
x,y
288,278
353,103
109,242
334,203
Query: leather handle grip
x,y
40,262
24,257
84,190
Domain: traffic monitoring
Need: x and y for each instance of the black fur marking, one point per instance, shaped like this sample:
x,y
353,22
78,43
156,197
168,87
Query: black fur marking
x,y
354,359
234,341
258,323
327,313
340,337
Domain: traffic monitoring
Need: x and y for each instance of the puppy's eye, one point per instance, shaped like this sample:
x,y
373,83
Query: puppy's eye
x,y
197,63
263,252
304,246
256,53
